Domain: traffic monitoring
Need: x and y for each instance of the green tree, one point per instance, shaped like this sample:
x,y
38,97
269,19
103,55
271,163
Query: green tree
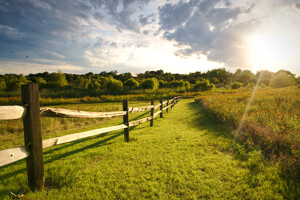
x,y
265,77
83,82
2,84
203,85
131,83
150,83
282,79
114,85
95,85
186,85
244,77
236,85
57,79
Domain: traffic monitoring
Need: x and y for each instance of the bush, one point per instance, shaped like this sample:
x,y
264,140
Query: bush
x,y
132,83
57,79
236,85
2,84
250,85
95,85
114,85
203,85
150,83
282,80
186,85
110,84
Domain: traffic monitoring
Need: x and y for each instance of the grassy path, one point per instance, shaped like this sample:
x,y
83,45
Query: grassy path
x,y
186,155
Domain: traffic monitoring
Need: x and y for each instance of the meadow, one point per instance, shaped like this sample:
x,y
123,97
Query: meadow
x,y
188,154
271,122
185,155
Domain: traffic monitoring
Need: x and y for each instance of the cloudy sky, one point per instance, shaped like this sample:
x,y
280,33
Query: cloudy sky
x,y
80,36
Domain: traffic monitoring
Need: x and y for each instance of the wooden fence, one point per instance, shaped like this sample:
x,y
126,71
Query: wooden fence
x,y
31,112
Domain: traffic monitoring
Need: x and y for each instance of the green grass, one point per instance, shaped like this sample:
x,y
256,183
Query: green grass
x,y
11,132
186,155
272,122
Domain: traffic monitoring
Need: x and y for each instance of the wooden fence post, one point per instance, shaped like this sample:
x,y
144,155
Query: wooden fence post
x,y
152,113
168,105
161,108
126,120
33,136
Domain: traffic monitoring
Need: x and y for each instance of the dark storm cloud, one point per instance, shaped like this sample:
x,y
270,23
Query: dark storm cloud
x,y
209,27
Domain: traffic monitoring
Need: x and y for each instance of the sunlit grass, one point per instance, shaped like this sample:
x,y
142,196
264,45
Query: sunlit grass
x,y
186,155
271,123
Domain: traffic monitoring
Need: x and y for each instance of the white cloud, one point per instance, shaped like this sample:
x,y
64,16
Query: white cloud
x,y
10,66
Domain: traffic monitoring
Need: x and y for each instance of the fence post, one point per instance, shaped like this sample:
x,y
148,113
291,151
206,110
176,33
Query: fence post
x,y
126,120
161,107
168,105
33,136
152,113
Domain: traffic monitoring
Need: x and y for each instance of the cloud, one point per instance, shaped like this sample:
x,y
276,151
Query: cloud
x,y
209,27
12,66
64,30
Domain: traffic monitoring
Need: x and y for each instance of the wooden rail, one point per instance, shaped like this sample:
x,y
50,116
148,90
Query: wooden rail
x,y
12,112
59,112
31,113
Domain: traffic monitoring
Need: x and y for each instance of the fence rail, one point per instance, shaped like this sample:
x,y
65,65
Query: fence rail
x,y
12,112
59,112
31,114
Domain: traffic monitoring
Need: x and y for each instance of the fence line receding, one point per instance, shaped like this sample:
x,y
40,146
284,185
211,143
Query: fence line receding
x,y
31,112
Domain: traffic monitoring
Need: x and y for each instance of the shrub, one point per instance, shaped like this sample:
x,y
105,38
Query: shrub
x,y
2,84
57,79
95,85
186,85
282,80
250,85
150,83
132,83
114,85
203,85
236,85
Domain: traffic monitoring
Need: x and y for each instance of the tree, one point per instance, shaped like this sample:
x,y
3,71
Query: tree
x,y
95,85
186,85
244,77
82,82
236,85
114,85
110,84
2,84
203,85
57,79
150,83
131,83
282,79
40,81
265,77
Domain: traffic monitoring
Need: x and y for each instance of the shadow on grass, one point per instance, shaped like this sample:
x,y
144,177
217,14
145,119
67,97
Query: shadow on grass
x,y
64,155
206,122
60,147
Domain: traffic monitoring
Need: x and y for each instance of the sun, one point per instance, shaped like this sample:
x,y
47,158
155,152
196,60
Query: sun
x,y
268,51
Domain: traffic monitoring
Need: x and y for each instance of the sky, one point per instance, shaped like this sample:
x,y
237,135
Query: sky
x,y
177,36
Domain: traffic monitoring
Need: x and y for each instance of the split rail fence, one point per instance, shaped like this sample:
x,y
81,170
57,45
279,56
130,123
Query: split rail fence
x,y
31,112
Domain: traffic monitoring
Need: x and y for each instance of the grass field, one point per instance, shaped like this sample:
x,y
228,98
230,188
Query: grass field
x,y
271,123
186,155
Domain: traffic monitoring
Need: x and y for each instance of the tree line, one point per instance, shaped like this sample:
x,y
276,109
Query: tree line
x,y
112,82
